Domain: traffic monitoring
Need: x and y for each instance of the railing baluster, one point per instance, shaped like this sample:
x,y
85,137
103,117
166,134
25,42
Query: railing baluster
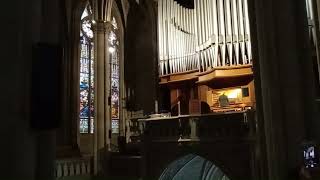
x,y
65,169
78,170
88,168
59,170
83,168
72,167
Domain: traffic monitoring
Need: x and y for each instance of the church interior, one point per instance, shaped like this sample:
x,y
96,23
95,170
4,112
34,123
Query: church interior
x,y
161,89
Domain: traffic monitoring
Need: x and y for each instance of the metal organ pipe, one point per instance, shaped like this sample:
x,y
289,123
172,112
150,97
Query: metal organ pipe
x,y
203,35
222,31
235,29
229,38
214,33
199,32
164,35
180,36
209,50
160,34
248,40
168,36
206,25
171,61
183,36
172,36
204,13
174,49
241,25
196,32
215,43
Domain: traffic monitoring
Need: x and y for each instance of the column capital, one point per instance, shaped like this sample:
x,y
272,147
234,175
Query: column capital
x,y
101,26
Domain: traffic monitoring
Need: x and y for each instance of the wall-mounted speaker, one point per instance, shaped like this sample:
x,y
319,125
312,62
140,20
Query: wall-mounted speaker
x,y
46,86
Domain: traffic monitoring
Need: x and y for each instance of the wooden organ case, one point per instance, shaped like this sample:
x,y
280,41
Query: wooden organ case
x,y
196,94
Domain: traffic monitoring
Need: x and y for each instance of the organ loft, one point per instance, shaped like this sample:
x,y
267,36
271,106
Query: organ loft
x,y
160,89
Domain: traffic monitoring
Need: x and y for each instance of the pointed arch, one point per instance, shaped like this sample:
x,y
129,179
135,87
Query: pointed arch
x,y
115,38
102,9
117,69
86,72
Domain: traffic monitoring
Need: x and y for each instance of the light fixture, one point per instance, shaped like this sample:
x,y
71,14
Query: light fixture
x,y
233,93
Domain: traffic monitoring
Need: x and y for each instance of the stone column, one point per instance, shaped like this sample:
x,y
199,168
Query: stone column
x,y
101,99
284,81
108,88
68,135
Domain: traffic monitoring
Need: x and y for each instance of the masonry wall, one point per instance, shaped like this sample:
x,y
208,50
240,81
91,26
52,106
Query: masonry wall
x,y
26,153
140,56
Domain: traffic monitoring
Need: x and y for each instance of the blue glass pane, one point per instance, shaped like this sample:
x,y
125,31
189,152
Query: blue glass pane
x,y
115,126
86,82
86,86
84,128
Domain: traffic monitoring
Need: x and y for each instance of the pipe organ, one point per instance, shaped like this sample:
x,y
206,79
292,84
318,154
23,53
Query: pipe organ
x,y
215,33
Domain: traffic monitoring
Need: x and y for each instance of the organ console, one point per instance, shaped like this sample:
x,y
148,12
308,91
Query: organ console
x,y
204,51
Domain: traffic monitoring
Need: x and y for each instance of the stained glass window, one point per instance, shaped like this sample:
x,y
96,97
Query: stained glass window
x,y
115,79
86,73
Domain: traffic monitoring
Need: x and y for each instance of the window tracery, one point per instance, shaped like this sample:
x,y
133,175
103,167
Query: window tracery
x,y
115,77
86,73
86,86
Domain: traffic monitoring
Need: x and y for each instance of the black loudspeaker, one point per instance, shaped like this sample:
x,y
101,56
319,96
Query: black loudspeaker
x,y
46,86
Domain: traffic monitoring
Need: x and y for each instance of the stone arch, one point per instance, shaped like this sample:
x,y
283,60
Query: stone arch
x,y
109,7
72,53
192,166
116,13
80,6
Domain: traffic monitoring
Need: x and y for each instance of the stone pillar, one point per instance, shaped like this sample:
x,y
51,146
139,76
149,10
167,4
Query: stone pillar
x,y
68,135
285,89
101,99
108,87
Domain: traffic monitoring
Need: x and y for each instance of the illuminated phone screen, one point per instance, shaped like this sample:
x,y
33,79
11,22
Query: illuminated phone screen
x,y
310,156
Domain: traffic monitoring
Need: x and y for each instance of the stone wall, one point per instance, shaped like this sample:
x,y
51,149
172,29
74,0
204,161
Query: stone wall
x,y
140,56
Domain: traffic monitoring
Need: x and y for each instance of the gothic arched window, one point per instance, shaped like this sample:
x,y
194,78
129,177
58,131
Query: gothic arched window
x,y
86,115
115,77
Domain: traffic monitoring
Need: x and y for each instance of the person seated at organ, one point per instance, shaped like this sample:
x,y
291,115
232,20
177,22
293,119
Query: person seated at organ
x,y
223,100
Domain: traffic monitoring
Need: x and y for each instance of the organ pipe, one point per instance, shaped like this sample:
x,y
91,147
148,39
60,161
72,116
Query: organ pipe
x,y
214,33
